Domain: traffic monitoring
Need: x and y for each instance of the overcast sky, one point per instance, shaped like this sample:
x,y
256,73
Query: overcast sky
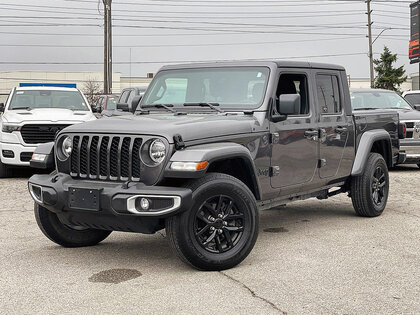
x,y
160,32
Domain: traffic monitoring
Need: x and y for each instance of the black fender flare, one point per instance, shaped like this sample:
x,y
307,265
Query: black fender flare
x,y
212,153
365,146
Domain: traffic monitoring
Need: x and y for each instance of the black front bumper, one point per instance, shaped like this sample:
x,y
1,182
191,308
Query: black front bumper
x,y
114,206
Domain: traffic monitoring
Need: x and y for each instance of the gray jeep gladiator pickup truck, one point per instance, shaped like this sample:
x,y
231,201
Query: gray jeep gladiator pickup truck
x,y
207,148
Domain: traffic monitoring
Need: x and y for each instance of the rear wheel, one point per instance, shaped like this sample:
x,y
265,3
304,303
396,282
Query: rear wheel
x,y
65,235
369,191
220,229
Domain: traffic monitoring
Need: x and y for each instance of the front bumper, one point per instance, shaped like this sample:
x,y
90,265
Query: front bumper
x,y
117,205
21,154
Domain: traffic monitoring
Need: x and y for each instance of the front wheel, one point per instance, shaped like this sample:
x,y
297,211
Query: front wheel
x,y
369,191
64,235
4,170
220,229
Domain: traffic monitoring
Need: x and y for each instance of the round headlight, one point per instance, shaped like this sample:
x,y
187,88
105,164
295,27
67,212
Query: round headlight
x,y
66,147
157,151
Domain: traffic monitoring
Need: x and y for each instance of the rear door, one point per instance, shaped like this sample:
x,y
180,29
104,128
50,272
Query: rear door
x,y
335,126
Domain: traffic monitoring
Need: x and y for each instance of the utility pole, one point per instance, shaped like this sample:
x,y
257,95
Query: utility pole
x,y
107,47
372,73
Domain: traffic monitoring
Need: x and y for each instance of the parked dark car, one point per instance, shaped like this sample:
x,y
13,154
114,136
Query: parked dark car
x,y
106,104
209,146
375,99
124,103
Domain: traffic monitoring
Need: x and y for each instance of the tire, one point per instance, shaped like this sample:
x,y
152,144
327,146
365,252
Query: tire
x,y
418,165
4,170
230,236
369,191
64,235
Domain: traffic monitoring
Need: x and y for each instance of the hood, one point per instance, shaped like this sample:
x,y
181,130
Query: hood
x,y
45,115
190,127
409,114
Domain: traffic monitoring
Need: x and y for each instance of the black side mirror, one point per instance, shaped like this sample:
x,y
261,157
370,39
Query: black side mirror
x,y
288,104
1,107
123,107
417,107
135,102
94,109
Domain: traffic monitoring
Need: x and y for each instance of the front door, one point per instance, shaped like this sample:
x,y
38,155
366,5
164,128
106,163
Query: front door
x,y
334,125
295,140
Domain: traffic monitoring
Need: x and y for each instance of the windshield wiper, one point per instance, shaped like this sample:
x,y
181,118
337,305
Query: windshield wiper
x,y
165,106
211,105
27,108
366,108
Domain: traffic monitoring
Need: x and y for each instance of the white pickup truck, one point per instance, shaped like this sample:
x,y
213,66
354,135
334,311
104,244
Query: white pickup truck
x,y
33,115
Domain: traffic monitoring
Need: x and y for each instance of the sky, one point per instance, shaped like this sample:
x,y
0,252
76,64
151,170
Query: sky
x,y
67,35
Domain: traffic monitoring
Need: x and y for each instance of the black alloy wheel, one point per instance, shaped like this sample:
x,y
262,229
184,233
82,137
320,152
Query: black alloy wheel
x,y
378,186
219,224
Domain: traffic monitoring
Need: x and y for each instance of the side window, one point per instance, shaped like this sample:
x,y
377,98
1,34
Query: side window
x,y
328,94
131,96
123,97
100,103
295,83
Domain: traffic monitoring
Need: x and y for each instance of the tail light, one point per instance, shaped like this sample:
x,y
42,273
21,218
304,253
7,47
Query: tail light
x,y
402,131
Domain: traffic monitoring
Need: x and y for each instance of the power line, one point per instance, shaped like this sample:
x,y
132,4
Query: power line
x,y
177,61
182,45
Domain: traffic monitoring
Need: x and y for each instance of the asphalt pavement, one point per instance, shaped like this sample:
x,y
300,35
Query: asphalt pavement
x,y
311,257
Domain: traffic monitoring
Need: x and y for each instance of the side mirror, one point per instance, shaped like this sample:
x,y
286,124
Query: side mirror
x,y
417,107
135,102
123,107
94,109
1,107
288,104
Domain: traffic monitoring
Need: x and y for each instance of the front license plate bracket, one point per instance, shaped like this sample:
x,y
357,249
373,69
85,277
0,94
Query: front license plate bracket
x,y
84,198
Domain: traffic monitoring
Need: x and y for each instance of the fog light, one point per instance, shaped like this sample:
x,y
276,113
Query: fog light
x,y
144,203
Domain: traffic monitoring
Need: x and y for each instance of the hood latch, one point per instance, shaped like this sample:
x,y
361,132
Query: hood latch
x,y
179,143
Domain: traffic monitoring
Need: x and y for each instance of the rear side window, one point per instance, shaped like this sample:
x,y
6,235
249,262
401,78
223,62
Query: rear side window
x,y
123,97
328,94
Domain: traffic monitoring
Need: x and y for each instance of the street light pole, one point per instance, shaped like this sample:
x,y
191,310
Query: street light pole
x,y
107,47
372,73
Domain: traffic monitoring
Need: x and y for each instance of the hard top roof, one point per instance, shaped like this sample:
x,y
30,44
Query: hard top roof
x,y
250,63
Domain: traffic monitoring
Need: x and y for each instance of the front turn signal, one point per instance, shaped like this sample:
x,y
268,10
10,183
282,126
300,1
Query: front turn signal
x,y
189,166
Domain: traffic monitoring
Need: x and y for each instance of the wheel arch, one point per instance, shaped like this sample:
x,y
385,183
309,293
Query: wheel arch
x,y
376,141
226,158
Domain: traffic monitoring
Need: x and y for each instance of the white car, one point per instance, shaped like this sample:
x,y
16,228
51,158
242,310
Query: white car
x,y
33,115
412,97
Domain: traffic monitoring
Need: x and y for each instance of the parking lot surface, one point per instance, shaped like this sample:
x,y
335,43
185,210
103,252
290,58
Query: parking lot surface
x,y
311,257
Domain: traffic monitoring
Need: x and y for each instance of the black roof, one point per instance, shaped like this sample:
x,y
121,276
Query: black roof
x,y
268,63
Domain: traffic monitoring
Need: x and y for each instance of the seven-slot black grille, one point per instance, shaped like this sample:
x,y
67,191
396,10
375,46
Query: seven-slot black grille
x,y
33,134
106,157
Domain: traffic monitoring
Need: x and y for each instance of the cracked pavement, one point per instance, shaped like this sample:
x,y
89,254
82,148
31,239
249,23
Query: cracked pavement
x,y
311,257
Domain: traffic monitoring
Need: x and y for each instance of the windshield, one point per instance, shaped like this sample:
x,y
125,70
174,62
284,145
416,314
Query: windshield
x,y
231,88
378,100
32,99
413,99
112,102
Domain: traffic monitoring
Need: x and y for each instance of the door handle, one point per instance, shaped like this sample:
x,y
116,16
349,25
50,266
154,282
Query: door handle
x,y
311,133
340,129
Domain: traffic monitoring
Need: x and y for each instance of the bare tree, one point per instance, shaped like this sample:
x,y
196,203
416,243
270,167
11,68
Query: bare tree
x,y
92,90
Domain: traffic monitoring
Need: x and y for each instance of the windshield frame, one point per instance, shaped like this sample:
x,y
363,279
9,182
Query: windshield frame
x,y
241,108
379,92
15,92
